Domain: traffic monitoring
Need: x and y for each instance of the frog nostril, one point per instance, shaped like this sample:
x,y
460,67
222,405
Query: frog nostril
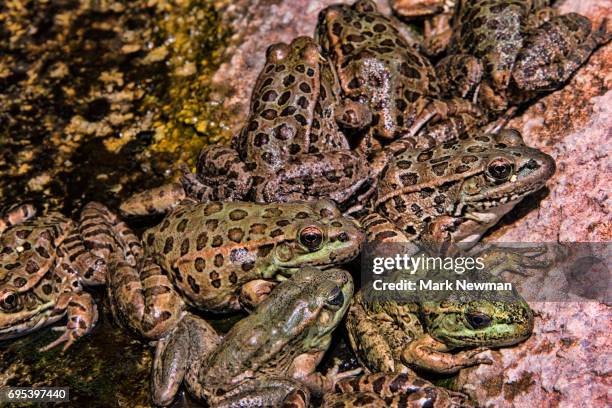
x,y
343,237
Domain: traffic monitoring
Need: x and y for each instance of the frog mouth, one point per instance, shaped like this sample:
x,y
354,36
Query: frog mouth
x,y
31,320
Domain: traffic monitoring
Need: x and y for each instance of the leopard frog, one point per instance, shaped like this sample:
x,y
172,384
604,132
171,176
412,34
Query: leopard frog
x,y
514,50
221,257
266,356
44,263
379,69
391,333
290,148
457,190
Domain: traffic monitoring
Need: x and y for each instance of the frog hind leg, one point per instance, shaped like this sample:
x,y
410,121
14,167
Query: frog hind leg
x,y
342,173
153,201
554,51
459,75
16,215
392,390
102,234
440,111
143,298
438,34
178,357
267,392
222,175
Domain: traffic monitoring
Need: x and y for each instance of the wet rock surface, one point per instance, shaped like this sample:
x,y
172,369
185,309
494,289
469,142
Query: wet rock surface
x,y
98,102
98,99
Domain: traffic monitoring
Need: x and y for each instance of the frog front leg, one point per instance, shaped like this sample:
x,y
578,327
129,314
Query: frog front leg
x,y
459,75
337,175
370,342
82,316
101,235
221,175
555,50
304,368
429,354
80,308
143,298
178,357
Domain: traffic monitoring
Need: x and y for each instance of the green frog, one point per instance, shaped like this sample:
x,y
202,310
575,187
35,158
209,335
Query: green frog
x,y
456,190
379,69
220,257
265,357
291,147
46,261
391,333
505,52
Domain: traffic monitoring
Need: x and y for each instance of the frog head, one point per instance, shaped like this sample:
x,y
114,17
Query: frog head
x,y
328,294
498,321
296,319
500,171
27,259
22,312
308,307
319,237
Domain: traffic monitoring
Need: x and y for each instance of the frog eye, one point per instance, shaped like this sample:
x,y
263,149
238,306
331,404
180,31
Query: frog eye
x,y
311,238
500,169
9,301
478,320
336,297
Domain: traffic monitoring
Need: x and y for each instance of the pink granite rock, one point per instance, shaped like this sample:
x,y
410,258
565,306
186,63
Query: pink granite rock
x,y
567,361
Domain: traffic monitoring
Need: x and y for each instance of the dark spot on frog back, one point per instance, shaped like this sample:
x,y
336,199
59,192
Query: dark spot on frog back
x,y
182,225
185,247
193,285
235,234
212,208
218,261
237,214
200,264
272,212
168,245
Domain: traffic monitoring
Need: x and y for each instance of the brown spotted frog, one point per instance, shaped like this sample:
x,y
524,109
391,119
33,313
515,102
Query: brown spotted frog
x,y
504,53
291,147
266,356
379,69
456,190
220,257
46,261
